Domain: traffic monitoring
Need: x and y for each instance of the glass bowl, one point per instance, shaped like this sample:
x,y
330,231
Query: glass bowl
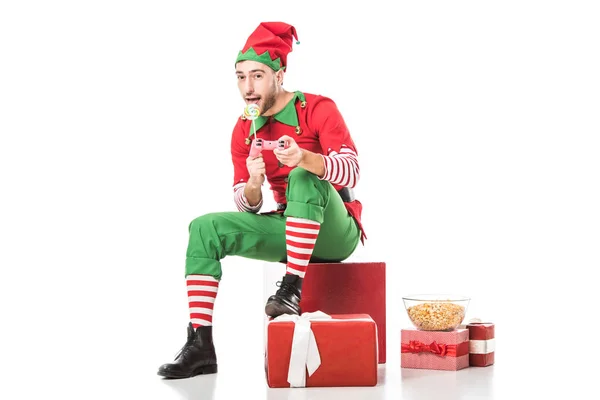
x,y
436,312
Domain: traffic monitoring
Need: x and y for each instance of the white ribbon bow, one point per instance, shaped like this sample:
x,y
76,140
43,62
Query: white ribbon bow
x,y
305,352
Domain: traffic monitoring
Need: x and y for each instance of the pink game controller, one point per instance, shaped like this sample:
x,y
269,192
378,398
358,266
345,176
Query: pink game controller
x,y
259,145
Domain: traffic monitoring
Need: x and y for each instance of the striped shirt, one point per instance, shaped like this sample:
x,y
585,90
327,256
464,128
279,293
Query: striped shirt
x,y
241,201
342,168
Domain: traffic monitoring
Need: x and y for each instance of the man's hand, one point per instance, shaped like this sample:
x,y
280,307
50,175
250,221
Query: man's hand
x,y
292,156
257,170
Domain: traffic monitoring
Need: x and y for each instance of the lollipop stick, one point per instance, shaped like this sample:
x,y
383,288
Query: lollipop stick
x,y
252,112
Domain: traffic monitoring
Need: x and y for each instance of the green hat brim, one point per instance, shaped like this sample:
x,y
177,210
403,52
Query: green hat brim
x,y
264,58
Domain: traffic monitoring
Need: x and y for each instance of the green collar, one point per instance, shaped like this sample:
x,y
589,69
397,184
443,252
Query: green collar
x,y
287,115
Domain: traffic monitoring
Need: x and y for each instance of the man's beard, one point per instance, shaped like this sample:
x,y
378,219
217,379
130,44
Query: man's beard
x,y
268,103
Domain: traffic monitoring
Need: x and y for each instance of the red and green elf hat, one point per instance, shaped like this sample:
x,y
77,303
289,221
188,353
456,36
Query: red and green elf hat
x,y
269,44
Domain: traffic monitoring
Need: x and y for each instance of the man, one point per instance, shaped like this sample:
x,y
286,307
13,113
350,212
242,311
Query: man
x,y
316,218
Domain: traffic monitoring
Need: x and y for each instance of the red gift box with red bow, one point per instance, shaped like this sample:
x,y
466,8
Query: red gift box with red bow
x,y
434,349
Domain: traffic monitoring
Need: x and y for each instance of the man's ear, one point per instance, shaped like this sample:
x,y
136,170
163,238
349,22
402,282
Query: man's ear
x,y
279,76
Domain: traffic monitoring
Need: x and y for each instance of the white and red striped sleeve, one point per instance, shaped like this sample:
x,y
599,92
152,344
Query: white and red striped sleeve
x,y
339,152
342,168
241,202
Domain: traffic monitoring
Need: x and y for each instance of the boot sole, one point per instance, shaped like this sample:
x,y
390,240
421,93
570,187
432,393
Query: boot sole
x,y
275,309
204,370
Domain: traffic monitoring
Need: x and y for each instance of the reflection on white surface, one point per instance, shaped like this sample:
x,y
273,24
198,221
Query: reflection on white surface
x,y
326,393
198,387
393,383
465,383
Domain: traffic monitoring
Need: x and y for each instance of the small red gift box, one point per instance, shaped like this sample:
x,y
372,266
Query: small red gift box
x,y
316,349
482,344
348,288
434,349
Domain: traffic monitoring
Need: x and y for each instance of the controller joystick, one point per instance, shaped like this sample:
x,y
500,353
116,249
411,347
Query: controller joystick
x,y
259,145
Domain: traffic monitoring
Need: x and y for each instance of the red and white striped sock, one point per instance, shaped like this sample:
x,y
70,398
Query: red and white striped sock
x,y
300,238
202,291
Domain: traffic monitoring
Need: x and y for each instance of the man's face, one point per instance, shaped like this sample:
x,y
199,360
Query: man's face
x,y
258,84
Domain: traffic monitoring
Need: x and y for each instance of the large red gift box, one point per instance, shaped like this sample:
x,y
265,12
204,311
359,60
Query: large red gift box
x,y
347,288
329,350
434,349
482,343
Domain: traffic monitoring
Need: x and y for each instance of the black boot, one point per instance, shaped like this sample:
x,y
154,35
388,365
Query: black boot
x,y
287,299
196,357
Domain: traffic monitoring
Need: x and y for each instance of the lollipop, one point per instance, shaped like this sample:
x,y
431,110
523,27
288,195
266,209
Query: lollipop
x,y
252,111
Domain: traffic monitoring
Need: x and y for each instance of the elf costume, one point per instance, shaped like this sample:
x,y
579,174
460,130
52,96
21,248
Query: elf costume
x,y
317,218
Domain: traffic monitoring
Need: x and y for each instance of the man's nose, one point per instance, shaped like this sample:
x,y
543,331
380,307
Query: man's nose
x,y
248,87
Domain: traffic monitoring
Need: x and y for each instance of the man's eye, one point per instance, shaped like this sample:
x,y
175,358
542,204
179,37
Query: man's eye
x,y
258,76
240,77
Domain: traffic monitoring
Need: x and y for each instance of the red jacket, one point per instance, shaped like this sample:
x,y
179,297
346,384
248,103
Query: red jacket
x,y
315,123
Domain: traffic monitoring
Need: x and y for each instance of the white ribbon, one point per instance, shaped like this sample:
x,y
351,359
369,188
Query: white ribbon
x,y
305,352
482,346
479,346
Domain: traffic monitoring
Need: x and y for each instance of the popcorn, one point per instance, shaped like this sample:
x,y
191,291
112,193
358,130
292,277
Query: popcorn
x,y
436,316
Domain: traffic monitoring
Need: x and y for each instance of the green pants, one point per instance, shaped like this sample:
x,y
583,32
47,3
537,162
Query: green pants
x,y
262,236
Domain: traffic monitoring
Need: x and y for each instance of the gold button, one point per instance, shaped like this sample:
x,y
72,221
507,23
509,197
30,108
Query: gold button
x,y
243,117
298,130
286,179
303,104
247,141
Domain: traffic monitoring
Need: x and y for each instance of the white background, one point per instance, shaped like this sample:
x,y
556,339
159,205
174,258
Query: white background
x,y
477,128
